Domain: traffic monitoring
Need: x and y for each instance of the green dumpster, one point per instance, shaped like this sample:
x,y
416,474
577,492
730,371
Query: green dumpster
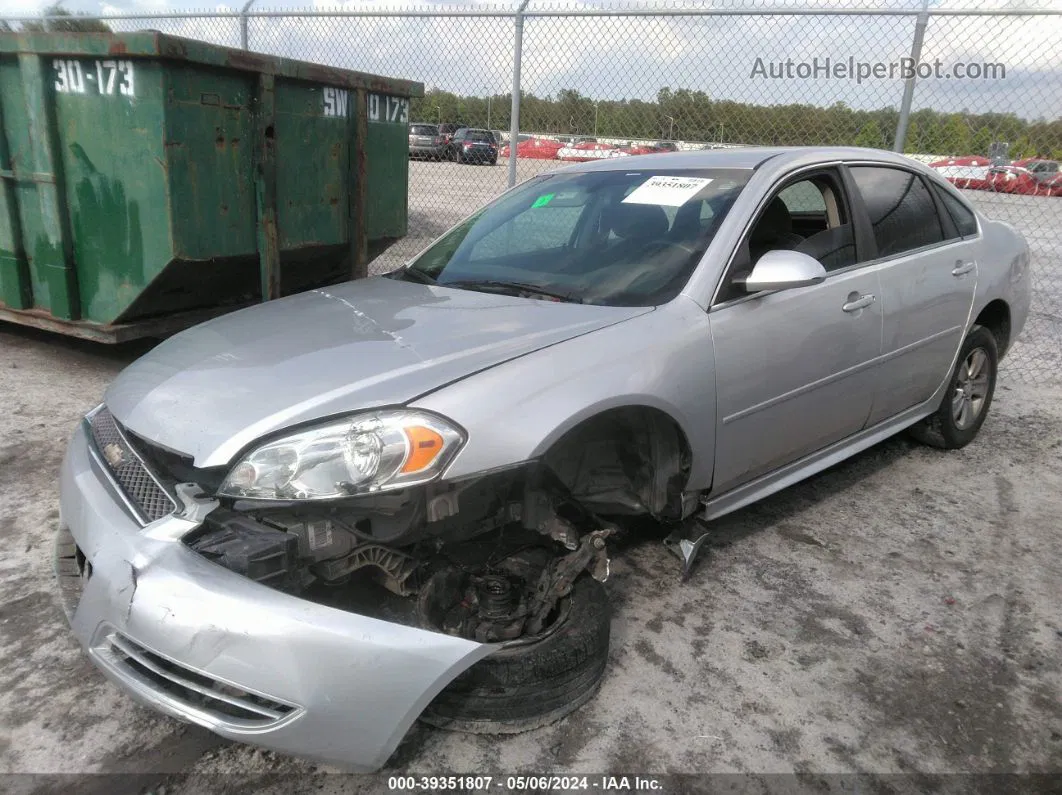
x,y
148,181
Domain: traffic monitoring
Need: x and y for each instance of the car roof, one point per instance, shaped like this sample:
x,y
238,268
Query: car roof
x,y
749,157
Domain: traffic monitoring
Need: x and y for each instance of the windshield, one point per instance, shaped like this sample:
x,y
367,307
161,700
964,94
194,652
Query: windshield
x,y
423,129
603,237
480,135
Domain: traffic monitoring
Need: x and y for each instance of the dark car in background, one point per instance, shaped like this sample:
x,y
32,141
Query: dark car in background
x,y
447,131
425,141
471,145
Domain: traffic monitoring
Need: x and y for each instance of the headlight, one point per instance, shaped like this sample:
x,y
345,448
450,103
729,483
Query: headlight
x,y
361,454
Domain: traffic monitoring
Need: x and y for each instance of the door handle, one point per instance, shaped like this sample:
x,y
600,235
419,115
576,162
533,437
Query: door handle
x,y
862,302
962,268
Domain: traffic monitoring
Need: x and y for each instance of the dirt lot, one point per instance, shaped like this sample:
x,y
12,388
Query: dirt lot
x,y
897,614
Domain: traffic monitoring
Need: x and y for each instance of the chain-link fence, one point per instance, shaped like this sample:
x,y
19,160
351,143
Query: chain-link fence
x,y
597,79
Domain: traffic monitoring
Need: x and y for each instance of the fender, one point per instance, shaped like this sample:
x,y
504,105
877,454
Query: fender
x,y
514,412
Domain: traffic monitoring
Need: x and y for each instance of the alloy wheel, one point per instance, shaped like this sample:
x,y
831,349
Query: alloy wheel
x,y
971,389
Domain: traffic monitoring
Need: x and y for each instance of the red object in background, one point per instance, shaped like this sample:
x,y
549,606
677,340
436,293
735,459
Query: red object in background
x,y
976,173
660,147
535,149
639,149
580,153
966,160
1018,180
973,177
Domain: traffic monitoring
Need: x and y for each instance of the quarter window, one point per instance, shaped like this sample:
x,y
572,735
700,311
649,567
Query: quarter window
x,y
964,219
900,207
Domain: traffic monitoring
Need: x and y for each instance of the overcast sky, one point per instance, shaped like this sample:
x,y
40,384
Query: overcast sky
x,y
619,57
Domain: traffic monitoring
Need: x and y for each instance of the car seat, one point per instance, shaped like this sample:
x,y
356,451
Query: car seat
x,y
774,230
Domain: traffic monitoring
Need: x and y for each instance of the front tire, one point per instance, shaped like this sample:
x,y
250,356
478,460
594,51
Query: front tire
x,y
968,397
523,687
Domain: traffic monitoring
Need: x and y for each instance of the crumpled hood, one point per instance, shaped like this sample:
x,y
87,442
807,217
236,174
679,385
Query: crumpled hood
x,y
215,388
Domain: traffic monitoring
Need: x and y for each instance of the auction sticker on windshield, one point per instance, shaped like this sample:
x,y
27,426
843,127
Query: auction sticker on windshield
x,y
667,191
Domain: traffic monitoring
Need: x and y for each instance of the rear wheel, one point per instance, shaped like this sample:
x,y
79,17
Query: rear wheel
x,y
969,395
534,681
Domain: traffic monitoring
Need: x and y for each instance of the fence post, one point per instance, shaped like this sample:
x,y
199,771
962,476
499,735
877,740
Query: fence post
x,y
909,86
243,23
514,117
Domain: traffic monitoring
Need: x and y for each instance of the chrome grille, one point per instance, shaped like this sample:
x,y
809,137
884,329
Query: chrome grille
x,y
191,689
129,471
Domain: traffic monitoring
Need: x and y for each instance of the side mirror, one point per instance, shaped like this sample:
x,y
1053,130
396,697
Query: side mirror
x,y
784,270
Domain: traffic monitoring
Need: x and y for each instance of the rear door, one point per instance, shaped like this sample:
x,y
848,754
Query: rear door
x,y
928,277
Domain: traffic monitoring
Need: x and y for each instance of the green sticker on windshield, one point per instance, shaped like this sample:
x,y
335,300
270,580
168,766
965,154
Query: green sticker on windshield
x,y
543,200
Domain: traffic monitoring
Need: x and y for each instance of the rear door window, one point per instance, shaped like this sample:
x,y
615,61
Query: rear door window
x,y
901,209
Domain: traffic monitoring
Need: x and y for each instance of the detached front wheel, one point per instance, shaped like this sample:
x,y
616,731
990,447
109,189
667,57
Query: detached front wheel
x,y
964,408
532,682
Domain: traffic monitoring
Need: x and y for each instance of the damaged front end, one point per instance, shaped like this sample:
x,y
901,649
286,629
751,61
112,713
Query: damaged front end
x,y
496,553
488,560
411,599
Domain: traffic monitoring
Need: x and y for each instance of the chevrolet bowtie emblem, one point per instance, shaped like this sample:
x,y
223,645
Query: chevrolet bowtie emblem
x,y
114,455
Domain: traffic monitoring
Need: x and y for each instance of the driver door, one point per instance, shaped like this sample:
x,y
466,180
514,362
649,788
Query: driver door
x,y
795,368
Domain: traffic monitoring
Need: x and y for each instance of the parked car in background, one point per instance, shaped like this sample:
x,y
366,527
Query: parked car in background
x,y
1030,176
1039,166
472,145
447,130
1025,181
307,523
425,141
1046,173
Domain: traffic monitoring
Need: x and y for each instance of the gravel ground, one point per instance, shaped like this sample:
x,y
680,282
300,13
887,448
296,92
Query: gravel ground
x,y
897,614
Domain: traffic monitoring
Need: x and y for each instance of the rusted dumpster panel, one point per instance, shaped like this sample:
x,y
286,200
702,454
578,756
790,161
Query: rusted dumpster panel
x,y
148,181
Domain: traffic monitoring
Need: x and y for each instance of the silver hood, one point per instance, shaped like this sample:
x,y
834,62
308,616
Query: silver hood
x,y
215,388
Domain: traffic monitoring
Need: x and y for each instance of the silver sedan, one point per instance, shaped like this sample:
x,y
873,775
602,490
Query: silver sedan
x,y
306,524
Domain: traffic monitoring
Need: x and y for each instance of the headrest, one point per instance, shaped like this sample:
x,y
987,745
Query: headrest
x,y
638,221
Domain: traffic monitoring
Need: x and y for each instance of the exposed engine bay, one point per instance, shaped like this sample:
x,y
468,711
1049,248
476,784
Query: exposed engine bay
x,y
489,559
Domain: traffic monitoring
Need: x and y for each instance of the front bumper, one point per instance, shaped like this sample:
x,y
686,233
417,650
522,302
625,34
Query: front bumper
x,y
198,642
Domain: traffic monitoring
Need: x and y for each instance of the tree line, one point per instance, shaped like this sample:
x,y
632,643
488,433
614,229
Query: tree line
x,y
56,19
689,115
